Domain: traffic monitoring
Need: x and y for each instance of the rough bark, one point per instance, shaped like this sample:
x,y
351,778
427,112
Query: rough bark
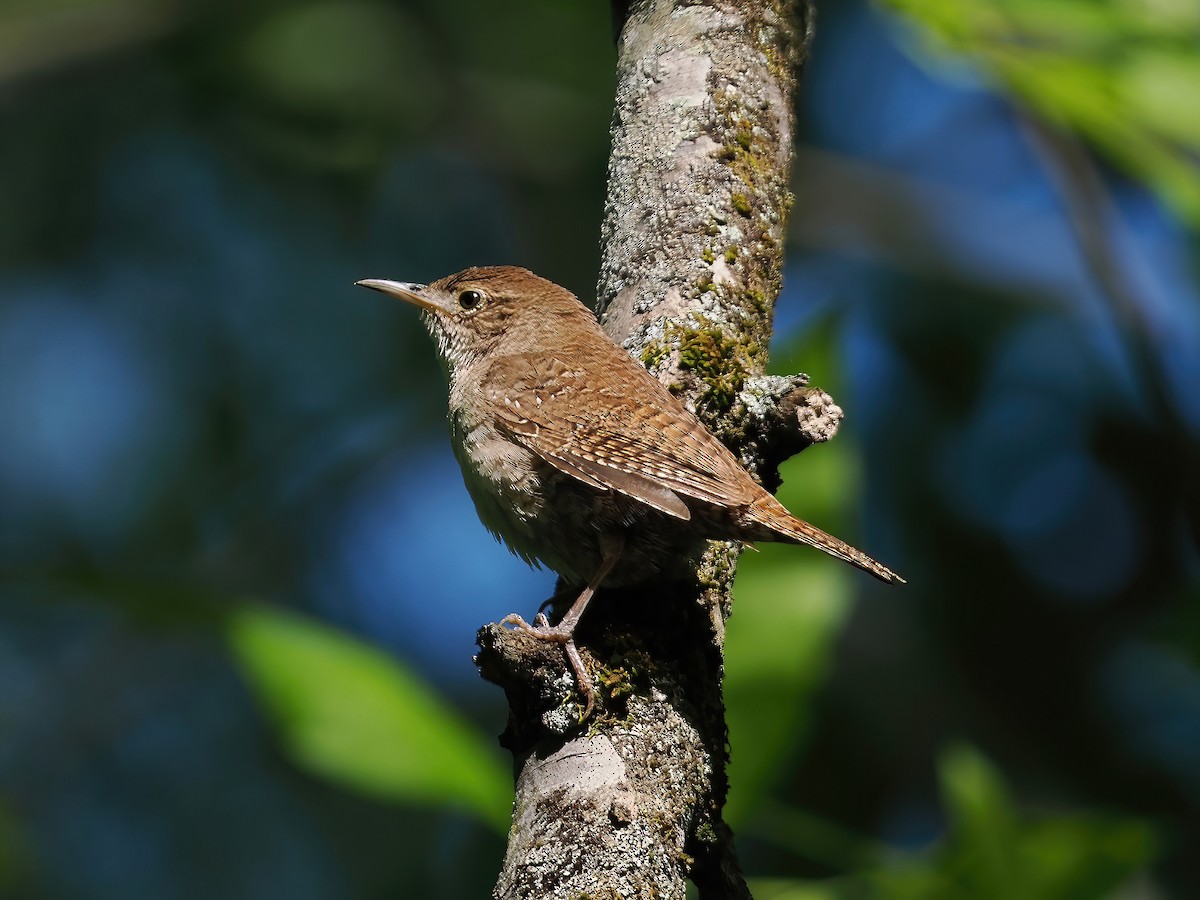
x,y
629,804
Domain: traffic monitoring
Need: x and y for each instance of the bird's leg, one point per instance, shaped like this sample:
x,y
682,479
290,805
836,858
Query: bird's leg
x,y
564,632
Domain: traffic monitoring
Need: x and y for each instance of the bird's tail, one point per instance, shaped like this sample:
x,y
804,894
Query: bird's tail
x,y
785,527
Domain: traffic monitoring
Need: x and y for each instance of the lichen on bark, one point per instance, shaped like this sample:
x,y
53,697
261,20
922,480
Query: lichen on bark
x,y
698,188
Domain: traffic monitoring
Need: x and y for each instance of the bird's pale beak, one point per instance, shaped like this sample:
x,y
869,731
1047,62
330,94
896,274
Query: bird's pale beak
x,y
408,291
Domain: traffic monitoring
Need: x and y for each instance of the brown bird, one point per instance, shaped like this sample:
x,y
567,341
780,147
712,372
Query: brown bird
x,y
578,457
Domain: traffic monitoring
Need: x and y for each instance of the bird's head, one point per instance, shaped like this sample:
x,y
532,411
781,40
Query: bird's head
x,y
490,310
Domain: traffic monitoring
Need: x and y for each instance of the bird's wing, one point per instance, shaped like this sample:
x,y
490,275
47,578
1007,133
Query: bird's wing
x,y
610,424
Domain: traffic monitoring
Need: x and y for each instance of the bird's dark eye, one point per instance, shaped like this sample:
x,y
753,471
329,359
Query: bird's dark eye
x,y
470,299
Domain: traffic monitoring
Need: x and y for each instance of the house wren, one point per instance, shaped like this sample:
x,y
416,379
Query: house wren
x,y
575,455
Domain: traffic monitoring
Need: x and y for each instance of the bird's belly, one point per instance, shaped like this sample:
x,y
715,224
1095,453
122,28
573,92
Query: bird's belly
x,y
503,481
544,515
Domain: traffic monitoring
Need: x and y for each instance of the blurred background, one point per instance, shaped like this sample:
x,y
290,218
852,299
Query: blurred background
x,y
240,578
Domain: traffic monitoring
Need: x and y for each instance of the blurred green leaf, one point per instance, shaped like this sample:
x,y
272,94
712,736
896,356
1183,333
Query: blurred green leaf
x,y
1163,87
813,349
981,821
1078,858
791,603
355,715
332,86
812,837
821,485
784,889
341,59
44,35
1122,75
777,647
996,853
989,850
14,852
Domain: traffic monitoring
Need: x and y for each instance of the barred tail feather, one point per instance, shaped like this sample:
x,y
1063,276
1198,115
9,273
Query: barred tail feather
x,y
785,527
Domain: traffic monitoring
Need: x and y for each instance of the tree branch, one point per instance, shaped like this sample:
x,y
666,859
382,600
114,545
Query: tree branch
x,y
693,240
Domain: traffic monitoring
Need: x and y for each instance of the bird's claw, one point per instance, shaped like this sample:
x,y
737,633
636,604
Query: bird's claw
x,y
582,681
540,629
543,630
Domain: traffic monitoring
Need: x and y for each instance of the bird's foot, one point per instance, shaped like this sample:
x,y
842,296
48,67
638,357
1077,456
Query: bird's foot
x,y
540,629
544,631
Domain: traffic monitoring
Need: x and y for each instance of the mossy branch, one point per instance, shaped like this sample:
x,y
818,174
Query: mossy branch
x,y
629,803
